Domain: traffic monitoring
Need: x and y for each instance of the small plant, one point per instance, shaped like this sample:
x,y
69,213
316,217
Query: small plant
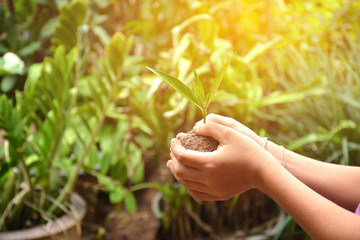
x,y
197,96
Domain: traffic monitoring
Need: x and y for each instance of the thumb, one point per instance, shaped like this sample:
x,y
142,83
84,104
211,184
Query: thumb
x,y
215,130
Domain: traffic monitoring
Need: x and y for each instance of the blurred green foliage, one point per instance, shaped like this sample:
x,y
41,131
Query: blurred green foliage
x,y
294,77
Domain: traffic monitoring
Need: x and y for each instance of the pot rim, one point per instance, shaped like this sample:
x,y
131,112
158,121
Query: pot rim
x,y
61,224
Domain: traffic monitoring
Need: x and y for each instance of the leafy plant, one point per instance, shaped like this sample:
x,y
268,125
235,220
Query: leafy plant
x,y
52,132
197,96
25,29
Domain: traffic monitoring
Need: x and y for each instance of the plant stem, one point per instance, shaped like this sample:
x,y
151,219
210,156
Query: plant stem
x,y
12,8
70,184
27,177
14,201
71,181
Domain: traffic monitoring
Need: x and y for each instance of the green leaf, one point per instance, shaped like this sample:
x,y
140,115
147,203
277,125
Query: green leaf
x,y
79,9
139,173
7,83
117,50
179,86
117,195
105,163
130,203
92,158
307,139
10,63
199,90
102,35
259,49
106,182
216,83
277,97
29,49
71,17
49,27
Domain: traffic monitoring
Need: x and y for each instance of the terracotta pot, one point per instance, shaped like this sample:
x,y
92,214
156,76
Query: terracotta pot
x,y
67,227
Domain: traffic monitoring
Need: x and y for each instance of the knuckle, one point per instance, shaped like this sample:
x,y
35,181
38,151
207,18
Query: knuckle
x,y
194,195
181,157
211,170
180,174
197,197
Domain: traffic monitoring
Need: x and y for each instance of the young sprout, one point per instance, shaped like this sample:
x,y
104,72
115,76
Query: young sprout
x,y
197,95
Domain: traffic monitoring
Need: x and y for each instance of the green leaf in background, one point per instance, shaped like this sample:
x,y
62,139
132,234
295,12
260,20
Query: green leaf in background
x,y
216,83
179,86
139,173
70,18
102,35
7,83
199,90
10,63
106,182
117,195
130,203
117,50
29,49
49,27
259,49
326,136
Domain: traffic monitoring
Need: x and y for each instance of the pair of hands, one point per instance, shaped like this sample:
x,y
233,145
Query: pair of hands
x,y
233,168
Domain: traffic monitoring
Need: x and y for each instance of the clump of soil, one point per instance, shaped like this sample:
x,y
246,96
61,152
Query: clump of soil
x,y
199,143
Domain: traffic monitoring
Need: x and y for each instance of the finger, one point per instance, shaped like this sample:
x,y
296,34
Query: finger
x,y
171,167
215,130
185,172
196,186
169,164
189,158
202,196
226,121
180,135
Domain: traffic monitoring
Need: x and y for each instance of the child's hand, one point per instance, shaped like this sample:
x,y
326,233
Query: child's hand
x,y
232,123
232,169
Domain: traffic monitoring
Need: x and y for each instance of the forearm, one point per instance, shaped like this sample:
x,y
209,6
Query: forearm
x,y
337,183
319,217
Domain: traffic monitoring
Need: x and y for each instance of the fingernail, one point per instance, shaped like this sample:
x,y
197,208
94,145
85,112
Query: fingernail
x,y
196,126
179,135
169,165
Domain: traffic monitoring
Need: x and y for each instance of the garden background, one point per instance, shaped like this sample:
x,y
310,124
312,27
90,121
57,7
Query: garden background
x,y
76,97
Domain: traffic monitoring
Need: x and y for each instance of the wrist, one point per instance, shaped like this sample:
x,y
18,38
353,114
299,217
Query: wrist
x,y
268,167
277,151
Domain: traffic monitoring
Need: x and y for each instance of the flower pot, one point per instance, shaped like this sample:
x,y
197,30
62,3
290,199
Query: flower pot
x,y
66,227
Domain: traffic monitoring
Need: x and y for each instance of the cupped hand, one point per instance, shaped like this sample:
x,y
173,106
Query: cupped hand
x,y
231,169
232,123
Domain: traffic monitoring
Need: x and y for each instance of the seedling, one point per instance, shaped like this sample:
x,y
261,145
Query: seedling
x,y
197,95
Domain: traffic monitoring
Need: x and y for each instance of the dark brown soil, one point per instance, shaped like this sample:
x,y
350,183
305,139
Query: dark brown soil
x,y
199,143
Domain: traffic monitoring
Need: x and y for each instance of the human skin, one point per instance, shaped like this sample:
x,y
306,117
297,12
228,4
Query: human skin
x,y
321,197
